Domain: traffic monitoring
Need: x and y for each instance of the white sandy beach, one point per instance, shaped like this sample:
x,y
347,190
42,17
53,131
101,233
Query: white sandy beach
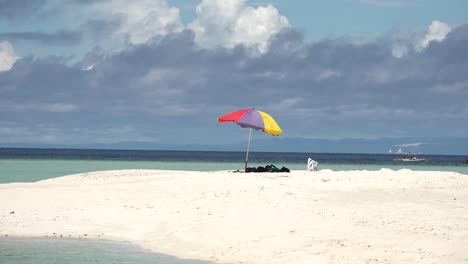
x,y
299,217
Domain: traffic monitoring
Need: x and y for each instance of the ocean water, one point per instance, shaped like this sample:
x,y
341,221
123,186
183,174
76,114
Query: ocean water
x,y
75,251
30,165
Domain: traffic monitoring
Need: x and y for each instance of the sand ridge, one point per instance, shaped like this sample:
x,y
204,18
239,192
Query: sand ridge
x,y
299,217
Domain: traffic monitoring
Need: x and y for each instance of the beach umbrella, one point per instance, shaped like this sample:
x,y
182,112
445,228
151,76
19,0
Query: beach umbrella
x,y
253,119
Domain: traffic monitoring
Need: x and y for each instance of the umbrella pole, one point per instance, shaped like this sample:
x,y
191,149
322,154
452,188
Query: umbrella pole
x,y
248,148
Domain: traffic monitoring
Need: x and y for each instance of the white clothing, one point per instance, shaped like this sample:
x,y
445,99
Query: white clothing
x,y
312,165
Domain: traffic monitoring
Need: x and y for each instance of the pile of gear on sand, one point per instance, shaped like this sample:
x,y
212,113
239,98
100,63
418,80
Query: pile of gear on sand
x,y
312,165
267,168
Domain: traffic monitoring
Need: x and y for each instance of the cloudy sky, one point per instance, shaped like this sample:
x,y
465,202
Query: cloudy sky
x,y
106,71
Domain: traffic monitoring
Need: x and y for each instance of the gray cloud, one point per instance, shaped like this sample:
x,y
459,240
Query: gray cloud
x,y
101,29
171,90
87,2
12,9
62,37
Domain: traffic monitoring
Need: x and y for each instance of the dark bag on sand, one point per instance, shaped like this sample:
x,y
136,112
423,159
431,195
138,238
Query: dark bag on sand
x,y
274,168
250,169
284,169
261,169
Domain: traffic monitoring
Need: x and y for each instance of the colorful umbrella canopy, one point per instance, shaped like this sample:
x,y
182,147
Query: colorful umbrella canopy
x,y
253,119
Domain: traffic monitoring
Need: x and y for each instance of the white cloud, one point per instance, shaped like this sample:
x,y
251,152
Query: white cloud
x,y
328,74
6,132
59,108
7,56
436,32
284,105
399,50
231,22
408,145
38,107
379,76
88,67
143,19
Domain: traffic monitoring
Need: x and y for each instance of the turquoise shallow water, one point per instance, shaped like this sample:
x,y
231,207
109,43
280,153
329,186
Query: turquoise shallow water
x,y
31,170
29,165
64,251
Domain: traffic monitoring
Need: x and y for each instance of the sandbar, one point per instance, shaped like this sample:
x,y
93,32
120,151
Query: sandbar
x,y
324,216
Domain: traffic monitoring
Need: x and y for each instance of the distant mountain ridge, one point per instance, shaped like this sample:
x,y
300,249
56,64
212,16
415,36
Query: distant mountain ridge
x,y
434,145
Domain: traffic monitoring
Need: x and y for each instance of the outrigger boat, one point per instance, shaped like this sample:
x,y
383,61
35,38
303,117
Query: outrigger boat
x,y
410,158
414,159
